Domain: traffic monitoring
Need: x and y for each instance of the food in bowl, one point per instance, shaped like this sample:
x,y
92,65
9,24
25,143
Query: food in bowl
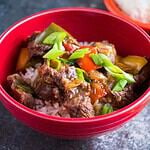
x,y
137,9
59,76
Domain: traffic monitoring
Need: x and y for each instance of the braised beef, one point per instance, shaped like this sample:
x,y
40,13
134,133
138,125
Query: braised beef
x,y
79,102
38,49
21,91
50,86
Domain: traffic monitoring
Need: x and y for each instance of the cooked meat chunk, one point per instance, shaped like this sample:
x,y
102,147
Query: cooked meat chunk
x,y
79,102
32,37
21,91
107,49
80,108
143,76
45,84
52,86
71,44
38,49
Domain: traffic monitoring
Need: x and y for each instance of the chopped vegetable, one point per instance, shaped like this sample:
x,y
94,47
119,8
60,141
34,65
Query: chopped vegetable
x,y
68,47
52,28
53,54
119,86
24,57
96,75
73,84
78,53
119,74
87,79
65,61
115,71
134,62
97,60
55,38
55,63
107,108
86,63
97,107
98,91
24,87
80,74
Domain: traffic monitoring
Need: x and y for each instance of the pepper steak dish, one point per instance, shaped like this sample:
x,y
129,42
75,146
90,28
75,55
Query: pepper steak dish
x,y
59,76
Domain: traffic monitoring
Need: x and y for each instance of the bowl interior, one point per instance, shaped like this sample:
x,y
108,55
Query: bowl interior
x,y
85,25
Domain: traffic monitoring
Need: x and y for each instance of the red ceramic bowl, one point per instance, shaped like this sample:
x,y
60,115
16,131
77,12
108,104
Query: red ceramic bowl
x,y
85,24
113,7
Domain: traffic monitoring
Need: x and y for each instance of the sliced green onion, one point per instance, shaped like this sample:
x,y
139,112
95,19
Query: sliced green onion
x,y
48,62
87,79
55,63
96,59
80,74
120,75
107,108
119,86
115,71
50,39
53,54
65,61
55,38
52,28
24,87
79,53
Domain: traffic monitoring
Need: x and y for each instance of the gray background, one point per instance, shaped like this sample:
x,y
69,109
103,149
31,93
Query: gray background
x,y
135,135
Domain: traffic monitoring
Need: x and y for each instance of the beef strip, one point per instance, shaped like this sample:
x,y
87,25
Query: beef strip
x,y
79,102
106,48
21,91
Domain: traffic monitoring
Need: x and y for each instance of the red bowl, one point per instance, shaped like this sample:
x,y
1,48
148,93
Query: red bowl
x,y
113,7
85,24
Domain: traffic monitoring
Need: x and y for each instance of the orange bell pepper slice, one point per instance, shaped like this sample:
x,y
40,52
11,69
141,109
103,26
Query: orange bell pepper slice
x,y
98,91
86,62
22,59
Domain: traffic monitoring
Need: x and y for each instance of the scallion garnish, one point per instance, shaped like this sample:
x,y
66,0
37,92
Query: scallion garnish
x,y
80,74
107,108
55,63
56,39
119,86
66,61
79,53
115,71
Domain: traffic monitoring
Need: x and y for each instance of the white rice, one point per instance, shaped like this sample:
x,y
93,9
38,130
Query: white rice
x,y
30,75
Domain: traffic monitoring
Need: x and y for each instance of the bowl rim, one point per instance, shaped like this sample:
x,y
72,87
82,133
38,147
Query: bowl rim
x,y
12,101
112,7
